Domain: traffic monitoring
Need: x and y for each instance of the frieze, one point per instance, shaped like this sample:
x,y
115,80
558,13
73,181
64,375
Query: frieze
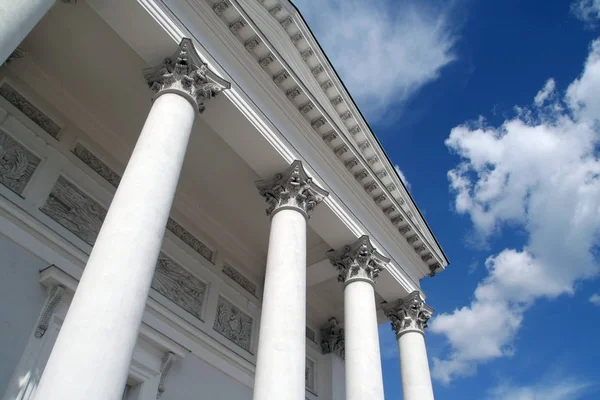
x,y
233,323
17,164
178,285
239,279
189,239
32,112
96,164
76,211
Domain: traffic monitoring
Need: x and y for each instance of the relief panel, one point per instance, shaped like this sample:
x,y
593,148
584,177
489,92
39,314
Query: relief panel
x,y
76,211
233,323
17,164
178,285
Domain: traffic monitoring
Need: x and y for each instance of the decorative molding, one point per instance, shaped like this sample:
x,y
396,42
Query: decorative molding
x,y
55,295
336,101
287,21
297,37
434,269
306,54
404,230
233,323
240,279
327,84
391,187
346,116
32,112
332,338
74,210
252,43
293,93
427,257
236,26
186,237
420,248
412,239
397,219
178,285
410,314
360,175
220,7
184,73
317,70
371,186
389,210
364,145
355,130
353,162
280,77
317,123
97,165
275,10
341,149
306,108
329,136
165,367
292,189
381,174
373,160
17,164
358,261
381,198
266,60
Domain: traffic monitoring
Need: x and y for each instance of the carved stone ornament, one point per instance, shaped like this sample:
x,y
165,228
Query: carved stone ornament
x,y
266,60
287,21
410,314
184,73
165,367
220,7
434,269
358,261
233,323
17,164
332,338
55,295
15,55
292,189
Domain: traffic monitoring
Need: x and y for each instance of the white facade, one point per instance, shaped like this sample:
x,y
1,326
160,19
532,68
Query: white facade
x,y
101,176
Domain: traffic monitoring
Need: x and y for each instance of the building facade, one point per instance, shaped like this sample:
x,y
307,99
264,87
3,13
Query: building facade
x,y
191,204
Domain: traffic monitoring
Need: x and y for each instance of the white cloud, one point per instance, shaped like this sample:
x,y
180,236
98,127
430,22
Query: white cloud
x,y
546,93
586,10
402,177
563,389
538,172
383,52
595,299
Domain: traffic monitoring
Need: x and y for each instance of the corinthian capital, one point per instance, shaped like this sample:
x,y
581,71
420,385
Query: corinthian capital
x,y
358,261
292,189
409,314
184,73
332,338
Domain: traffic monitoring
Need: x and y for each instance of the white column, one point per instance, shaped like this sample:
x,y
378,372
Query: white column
x,y
359,265
17,19
92,354
409,318
280,363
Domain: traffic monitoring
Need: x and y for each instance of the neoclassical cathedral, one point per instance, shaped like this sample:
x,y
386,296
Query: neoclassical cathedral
x,y
193,207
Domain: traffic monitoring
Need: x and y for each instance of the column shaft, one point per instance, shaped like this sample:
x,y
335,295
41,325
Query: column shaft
x,y
280,365
17,19
414,367
364,379
91,357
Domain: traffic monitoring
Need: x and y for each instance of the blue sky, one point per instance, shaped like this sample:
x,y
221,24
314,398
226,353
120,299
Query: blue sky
x,y
491,110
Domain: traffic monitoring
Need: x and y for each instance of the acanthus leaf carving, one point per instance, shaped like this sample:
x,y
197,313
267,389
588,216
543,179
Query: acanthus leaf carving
x,y
55,295
358,261
332,338
185,73
291,189
410,314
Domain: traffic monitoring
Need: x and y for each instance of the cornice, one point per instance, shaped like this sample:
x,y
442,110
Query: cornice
x,y
338,122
